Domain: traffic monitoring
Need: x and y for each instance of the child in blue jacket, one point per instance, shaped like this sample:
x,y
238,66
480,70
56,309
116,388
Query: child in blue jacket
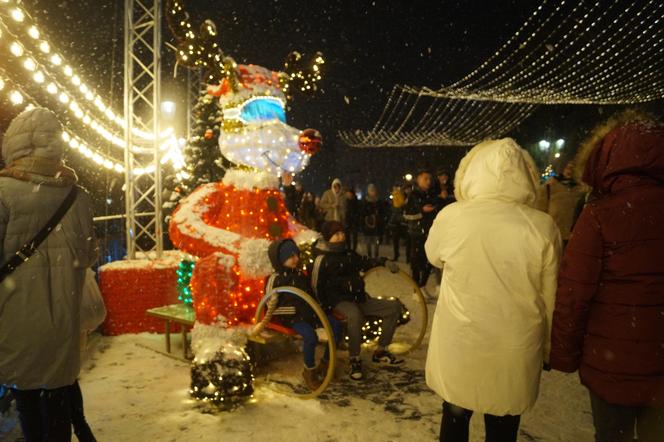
x,y
293,312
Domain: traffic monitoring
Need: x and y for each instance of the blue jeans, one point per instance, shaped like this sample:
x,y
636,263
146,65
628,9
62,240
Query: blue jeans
x,y
310,339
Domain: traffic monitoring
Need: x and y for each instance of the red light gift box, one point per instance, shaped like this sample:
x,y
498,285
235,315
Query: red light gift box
x,y
130,287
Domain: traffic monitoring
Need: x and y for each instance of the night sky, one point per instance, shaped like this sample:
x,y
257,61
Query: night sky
x,y
368,45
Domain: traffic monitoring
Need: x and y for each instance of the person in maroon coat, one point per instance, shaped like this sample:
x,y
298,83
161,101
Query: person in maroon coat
x,y
609,316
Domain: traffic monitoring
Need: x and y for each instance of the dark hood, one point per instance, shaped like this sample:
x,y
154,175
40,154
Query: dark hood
x,y
273,254
628,156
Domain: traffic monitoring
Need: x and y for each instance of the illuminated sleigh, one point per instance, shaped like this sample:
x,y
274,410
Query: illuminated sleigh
x,y
408,337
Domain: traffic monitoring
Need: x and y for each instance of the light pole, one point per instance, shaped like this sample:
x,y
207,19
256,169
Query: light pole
x,y
168,109
551,151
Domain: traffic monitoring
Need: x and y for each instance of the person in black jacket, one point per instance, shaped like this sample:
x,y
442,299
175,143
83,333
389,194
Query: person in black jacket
x,y
293,194
294,312
444,190
339,286
352,218
420,211
372,221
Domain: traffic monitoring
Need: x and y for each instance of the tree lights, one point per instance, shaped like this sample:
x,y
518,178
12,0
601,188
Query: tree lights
x,y
184,273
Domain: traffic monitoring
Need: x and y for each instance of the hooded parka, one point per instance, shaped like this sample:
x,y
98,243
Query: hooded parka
x,y
290,308
40,301
333,203
492,322
609,316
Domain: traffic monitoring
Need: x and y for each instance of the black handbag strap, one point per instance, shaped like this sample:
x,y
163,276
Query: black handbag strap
x,y
29,248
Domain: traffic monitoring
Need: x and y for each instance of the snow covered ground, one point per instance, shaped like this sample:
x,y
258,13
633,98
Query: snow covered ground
x,y
134,393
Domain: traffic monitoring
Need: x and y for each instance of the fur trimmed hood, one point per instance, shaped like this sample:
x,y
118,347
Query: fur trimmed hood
x,y
599,132
629,155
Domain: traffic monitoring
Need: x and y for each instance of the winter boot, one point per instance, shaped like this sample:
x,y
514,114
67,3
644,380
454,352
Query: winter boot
x,y
356,369
310,378
5,399
386,357
321,370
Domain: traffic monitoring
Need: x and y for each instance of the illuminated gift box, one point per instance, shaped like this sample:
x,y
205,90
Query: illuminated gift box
x,y
130,287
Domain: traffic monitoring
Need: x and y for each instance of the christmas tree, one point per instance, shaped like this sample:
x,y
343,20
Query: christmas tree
x,y
203,160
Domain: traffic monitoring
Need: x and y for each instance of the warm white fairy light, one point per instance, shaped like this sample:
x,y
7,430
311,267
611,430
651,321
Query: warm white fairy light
x,y
118,140
79,146
29,64
17,14
170,146
16,49
33,32
566,53
599,55
15,97
437,122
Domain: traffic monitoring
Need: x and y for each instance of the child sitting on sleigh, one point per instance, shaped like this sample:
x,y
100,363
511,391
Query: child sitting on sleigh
x,y
294,312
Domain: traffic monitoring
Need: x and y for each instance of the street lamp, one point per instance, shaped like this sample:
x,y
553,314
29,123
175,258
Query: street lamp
x,y
168,109
560,143
544,145
409,177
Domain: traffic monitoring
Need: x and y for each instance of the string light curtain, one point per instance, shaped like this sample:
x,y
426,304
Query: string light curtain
x,y
567,52
411,119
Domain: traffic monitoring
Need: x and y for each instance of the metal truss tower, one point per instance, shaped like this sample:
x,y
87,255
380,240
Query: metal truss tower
x,y
142,90
194,88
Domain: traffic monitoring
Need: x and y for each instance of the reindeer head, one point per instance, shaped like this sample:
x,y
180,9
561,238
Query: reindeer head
x,y
254,132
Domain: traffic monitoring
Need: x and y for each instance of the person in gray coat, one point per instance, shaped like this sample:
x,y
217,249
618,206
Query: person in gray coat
x,y
40,300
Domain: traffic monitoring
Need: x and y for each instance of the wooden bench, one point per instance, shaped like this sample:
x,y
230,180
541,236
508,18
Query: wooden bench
x,y
180,314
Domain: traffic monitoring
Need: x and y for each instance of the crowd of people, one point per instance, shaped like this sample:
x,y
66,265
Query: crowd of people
x,y
505,296
509,305
402,221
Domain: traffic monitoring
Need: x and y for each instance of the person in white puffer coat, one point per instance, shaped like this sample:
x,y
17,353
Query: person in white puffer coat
x,y
492,324
40,301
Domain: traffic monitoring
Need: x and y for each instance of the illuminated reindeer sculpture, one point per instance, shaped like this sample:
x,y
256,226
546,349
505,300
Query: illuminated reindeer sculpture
x,y
228,225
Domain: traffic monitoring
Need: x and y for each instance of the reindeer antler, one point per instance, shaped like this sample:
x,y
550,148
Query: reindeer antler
x,y
202,50
301,75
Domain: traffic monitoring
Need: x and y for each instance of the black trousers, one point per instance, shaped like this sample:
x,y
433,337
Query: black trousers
x,y
455,425
398,233
351,238
419,264
615,423
81,427
45,415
